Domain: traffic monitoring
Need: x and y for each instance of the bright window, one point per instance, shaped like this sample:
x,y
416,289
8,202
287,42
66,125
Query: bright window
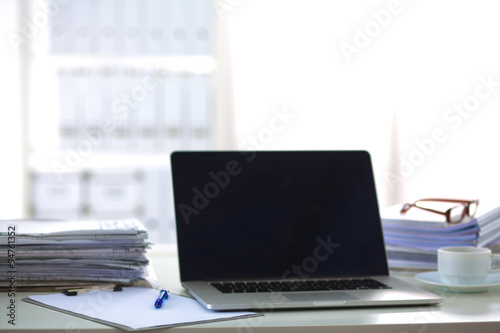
x,y
345,69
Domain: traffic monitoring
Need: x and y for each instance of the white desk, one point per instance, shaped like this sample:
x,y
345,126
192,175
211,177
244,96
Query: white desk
x,y
478,313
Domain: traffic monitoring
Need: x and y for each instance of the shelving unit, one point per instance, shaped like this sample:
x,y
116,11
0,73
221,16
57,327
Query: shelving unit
x,y
121,85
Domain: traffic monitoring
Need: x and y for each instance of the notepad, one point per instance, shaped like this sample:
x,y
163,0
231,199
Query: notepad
x,y
133,308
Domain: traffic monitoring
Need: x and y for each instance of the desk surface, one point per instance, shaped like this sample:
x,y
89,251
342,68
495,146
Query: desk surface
x,y
458,312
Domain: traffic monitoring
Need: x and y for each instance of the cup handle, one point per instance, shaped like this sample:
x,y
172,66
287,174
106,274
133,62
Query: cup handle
x,y
495,257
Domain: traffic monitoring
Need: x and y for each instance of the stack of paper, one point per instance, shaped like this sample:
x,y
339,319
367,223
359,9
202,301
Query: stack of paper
x,y
58,253
412,239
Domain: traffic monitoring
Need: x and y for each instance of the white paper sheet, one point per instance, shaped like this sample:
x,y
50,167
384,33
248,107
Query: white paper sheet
x,y
133,308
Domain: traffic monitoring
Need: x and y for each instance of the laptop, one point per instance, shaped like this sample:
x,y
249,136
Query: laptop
x,y
283,229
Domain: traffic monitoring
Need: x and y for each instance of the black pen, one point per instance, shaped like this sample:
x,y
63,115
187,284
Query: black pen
x,y
73,291
163,296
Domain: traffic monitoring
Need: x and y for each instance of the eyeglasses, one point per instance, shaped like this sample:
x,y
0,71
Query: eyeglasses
x,y
455,214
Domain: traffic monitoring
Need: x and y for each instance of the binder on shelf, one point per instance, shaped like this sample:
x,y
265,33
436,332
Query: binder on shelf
x,y
147,124
178,34
122,109
105,26
200,26
94,105
159,106
146,111
189,9
158,28
120,26
136,95
82,25
155,27
67,108
60,33
199,111
185,110
173,126
143,27
82,92
132,10
107,103
170,25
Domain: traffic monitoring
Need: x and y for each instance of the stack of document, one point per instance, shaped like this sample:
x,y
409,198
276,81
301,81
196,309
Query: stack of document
x,y
412,239
61,253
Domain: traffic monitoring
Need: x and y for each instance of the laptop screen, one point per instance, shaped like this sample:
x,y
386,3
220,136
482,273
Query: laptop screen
x,y
276,215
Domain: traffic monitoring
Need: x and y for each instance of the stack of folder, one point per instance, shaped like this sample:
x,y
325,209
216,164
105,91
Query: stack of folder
x,y
72,253
412,239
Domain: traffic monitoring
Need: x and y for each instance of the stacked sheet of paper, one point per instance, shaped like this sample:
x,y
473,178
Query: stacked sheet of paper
x,y
57,253
412,239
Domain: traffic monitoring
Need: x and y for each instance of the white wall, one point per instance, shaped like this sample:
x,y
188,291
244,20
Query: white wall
x,y
418,59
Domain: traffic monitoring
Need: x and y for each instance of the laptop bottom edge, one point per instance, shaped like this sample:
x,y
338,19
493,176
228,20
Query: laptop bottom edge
x,y
400,293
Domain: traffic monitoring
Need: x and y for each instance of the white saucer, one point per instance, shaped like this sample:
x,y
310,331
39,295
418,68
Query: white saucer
x,y
433,278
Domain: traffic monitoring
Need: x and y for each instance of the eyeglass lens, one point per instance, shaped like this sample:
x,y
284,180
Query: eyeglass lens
x,y
472,208
457,213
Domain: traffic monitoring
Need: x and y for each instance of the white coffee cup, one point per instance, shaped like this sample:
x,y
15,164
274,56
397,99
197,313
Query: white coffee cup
x,y
465,265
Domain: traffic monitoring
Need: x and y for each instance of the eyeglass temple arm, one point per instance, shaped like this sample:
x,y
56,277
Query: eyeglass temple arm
x,y
406,207
446,200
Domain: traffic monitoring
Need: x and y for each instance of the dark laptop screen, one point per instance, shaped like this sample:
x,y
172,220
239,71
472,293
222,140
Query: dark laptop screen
x,y
273,215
